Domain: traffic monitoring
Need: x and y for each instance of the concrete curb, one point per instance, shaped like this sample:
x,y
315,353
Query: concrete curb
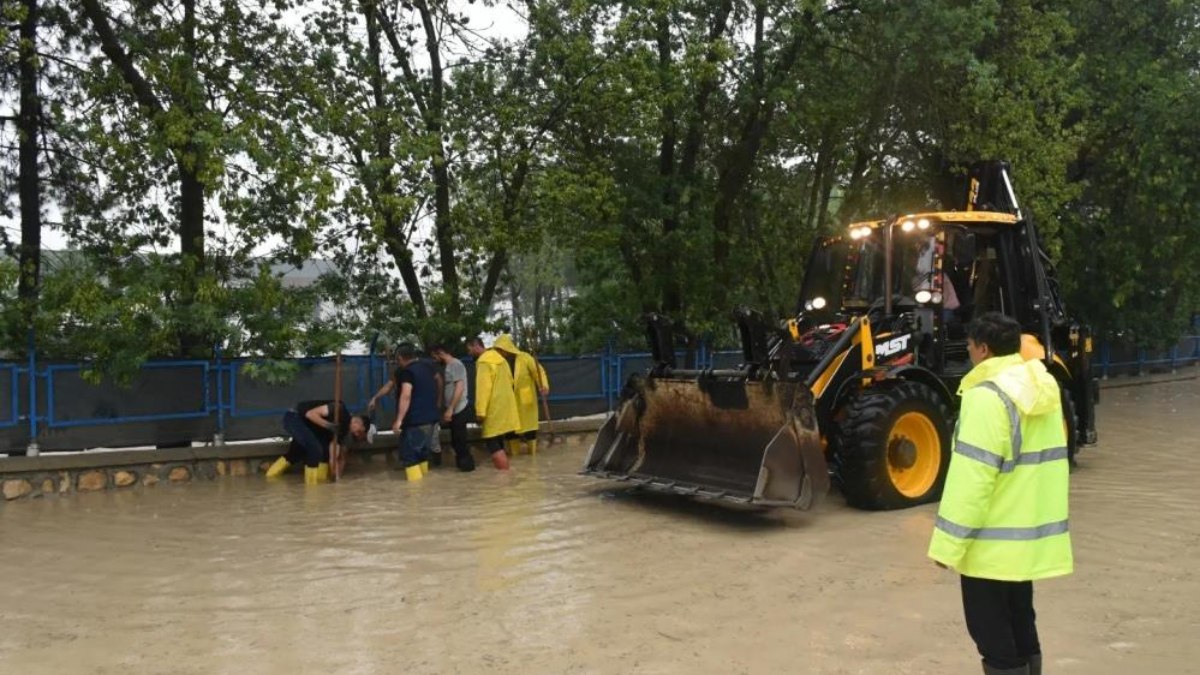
x,y
61,473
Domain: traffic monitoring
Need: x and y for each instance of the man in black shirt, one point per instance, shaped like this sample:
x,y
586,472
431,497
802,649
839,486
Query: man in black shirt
x,y
416,410
310,424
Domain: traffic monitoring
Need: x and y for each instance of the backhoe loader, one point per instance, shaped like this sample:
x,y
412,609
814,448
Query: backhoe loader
x,y
858,388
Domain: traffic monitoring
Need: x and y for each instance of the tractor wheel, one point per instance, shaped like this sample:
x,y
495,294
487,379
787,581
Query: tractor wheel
x,y
894,447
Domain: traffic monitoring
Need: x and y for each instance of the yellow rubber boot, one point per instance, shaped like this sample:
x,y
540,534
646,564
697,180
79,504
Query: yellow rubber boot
x,y
424,467
276,470
413,473
312,475
532,445
512,447
323,472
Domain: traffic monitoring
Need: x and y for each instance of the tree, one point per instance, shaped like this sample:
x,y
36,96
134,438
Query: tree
x,y
170,116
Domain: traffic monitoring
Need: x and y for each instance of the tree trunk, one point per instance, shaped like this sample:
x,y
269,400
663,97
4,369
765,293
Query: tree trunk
x,y
672,302
443,226
29,181
394,230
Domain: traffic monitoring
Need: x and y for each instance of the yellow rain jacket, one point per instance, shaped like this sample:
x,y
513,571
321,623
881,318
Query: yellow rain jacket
x,y
495,402
1003,514
529,376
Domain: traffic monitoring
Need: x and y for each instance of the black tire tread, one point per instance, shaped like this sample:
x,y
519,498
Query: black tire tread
x,y
862,461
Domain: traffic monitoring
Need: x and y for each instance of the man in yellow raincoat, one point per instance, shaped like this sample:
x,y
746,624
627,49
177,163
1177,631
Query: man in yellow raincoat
x,y
495,400
1002,523
529,380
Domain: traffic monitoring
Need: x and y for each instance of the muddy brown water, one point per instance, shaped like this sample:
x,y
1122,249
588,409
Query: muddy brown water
x,y
543,571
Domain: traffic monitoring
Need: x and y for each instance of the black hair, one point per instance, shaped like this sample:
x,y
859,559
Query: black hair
x,y
365,419
406,351
476,340
437,347
1001,333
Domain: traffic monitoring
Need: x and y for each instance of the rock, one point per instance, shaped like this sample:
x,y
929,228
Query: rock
x,y
124,478
149,479
239,467
179,474
64,482
91,481
15,489
221,468
48,486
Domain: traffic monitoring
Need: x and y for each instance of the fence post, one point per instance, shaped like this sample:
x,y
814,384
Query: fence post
x,y
607,369
1141,361
1174,357
219,437
32,450
1105,358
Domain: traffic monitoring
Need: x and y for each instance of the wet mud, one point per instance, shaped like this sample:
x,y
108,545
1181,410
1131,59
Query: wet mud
x,y
544,571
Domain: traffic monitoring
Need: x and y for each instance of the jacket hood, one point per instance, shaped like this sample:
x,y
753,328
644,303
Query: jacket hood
x,y
1030,386
505,344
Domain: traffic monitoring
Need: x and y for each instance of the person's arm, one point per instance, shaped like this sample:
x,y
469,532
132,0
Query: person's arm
x,y
383,391
459,388
440,381
483,390
980,449
402,406
320,417
543,381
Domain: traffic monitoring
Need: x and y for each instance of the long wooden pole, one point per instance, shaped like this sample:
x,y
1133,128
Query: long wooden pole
x,y
542,386
335,452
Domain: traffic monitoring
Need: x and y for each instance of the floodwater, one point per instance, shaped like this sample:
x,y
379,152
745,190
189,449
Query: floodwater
x,y
543,571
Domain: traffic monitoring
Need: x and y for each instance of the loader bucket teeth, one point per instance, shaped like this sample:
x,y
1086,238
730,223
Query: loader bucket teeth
x,y
747,442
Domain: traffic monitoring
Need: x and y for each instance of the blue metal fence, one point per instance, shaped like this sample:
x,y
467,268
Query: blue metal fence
x,y
217,393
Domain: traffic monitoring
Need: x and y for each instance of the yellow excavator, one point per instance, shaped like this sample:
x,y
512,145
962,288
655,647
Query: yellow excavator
x,y
858,388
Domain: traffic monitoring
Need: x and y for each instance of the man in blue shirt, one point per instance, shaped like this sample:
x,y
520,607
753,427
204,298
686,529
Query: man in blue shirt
x,y
417,412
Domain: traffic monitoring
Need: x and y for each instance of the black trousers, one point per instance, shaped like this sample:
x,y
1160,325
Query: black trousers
x,y
305,446
1001,620
458,440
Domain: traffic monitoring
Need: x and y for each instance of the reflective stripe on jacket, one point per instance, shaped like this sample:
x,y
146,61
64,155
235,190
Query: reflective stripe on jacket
x,y
1004,508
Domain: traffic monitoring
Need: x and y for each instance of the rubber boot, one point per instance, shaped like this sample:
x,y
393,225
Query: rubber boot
x,y
413,473
323,472
988,670
500,460
1035,664
425,467
276,470
512,447
312,475
532,445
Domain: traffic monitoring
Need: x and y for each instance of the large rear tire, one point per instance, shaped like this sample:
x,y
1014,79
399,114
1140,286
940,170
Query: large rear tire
x,y
894,447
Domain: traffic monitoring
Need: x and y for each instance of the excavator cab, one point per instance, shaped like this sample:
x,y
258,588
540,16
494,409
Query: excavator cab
x,y
858,387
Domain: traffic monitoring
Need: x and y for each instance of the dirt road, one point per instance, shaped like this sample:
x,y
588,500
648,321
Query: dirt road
x,y
542,571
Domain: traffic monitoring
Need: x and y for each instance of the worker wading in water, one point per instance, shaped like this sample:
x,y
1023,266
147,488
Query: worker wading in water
x,y
416,411
529,380
310,424
495,400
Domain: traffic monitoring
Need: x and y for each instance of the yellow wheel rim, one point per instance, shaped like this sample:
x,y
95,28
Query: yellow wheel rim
x,y
914,454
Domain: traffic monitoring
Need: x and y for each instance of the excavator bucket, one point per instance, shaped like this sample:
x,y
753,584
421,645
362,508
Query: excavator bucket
x,y
715,437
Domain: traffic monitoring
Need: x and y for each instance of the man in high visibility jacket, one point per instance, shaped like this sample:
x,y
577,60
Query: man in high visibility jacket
x,y
1002,522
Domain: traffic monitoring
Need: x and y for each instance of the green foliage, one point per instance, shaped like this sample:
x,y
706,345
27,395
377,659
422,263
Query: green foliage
x,y
613,159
